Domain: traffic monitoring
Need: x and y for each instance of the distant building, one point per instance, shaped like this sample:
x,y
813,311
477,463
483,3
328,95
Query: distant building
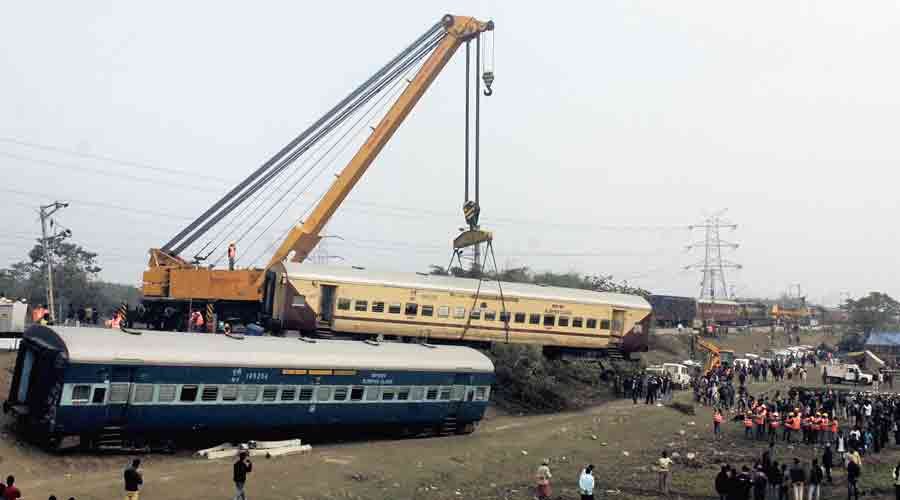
x,y
886,345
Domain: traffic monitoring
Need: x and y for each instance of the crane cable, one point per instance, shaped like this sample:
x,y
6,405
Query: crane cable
x,y
367,95
394,90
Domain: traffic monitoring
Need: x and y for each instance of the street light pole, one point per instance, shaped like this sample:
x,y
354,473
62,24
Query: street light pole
x,y
46,212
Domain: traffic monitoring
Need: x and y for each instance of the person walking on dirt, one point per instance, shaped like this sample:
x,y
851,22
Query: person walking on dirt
x,y
241,468
828,462
717,424
586,483
543,477
133,480
11,492
723,482
665,474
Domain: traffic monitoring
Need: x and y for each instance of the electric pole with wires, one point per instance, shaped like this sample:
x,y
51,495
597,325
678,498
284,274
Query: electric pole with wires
x,y
45,212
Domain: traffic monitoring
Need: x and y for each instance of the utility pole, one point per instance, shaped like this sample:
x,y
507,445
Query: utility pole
x,y
46,212
713,283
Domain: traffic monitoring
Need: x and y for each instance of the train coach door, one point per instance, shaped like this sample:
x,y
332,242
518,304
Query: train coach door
x,y
119,395
326,305
618,322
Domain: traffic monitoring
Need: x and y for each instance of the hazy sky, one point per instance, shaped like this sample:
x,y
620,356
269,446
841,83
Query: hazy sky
x,y
613,126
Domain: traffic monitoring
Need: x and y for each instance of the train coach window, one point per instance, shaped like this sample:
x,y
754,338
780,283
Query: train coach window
x,y
100,395
229,393
432,394
403,393
549,320
475,314
270,393
418,393
306,393
343,304
143,393
188,393
519,318
411,309
504,316
445,393
534,319
356,394
340,393
490,315
118,393
577,322
444,312
387,395
373,393
591,323
249,392
210,393
361,306
459,313
81,393
394,308
604,324
427,310
481,394
166,393
563,321
377,307
288,393
323,393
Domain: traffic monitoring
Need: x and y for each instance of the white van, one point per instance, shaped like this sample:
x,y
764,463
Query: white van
x,y
742,363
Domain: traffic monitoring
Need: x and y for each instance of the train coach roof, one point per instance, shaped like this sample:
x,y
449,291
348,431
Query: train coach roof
x,y
97,345
490,288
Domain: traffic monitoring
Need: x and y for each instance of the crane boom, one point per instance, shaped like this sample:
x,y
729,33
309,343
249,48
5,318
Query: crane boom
x,y
173,286
303,238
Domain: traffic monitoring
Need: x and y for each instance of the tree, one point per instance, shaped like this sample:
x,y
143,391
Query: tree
x,y
75,278
873,312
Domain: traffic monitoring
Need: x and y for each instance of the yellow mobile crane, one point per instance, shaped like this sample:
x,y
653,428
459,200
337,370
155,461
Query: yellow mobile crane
x,y
717,355
174,285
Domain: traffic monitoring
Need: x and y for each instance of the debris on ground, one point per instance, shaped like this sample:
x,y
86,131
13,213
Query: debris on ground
x,y
268,449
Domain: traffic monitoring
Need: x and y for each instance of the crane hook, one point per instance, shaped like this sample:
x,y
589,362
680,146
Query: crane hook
x,y
488,78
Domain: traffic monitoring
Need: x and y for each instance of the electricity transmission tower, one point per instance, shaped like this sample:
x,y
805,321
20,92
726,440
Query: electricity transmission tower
x,y
713,284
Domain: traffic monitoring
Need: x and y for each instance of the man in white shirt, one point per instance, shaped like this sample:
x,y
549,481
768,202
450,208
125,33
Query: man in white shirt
x,y
586,483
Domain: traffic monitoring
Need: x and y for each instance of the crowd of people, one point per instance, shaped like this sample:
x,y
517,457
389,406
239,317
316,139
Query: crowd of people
x,y
649,387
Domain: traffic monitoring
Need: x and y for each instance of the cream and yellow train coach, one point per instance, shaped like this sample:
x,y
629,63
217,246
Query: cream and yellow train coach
x,y
357,302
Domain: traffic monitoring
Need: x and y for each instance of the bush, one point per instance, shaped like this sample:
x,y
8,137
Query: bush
x,y
527,380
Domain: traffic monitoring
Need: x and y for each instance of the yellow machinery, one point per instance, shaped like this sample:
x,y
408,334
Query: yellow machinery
x,y
173,284
717,356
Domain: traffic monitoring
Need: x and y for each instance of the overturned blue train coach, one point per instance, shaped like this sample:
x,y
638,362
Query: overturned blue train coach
x,y
110,389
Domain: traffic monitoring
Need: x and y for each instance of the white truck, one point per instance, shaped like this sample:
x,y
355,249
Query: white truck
x,y
678,373
849,373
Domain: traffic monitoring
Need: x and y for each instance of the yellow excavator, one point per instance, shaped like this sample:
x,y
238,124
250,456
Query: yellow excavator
x,y
175,285
716,355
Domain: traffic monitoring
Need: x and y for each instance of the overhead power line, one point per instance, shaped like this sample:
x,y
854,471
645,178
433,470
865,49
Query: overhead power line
x,y
129,163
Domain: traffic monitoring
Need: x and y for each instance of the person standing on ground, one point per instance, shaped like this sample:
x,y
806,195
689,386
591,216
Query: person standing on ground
x,y
722,482
798,479
665,465
760,481
853,472
11,492
543,477
717,424
896,475
828,462
241,468
815,480
133,480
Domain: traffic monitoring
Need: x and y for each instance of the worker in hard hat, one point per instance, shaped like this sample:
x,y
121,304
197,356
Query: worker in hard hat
x,y
232,254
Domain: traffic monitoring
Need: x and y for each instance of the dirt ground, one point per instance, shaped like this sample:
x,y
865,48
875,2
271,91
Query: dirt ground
x,y
496,462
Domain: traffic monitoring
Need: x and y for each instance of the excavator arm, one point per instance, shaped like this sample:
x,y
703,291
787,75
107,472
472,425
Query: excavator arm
x,y
304,237
715,354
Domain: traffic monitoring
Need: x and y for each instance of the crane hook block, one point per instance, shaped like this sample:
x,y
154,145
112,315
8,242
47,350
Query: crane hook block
x,y
488,78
